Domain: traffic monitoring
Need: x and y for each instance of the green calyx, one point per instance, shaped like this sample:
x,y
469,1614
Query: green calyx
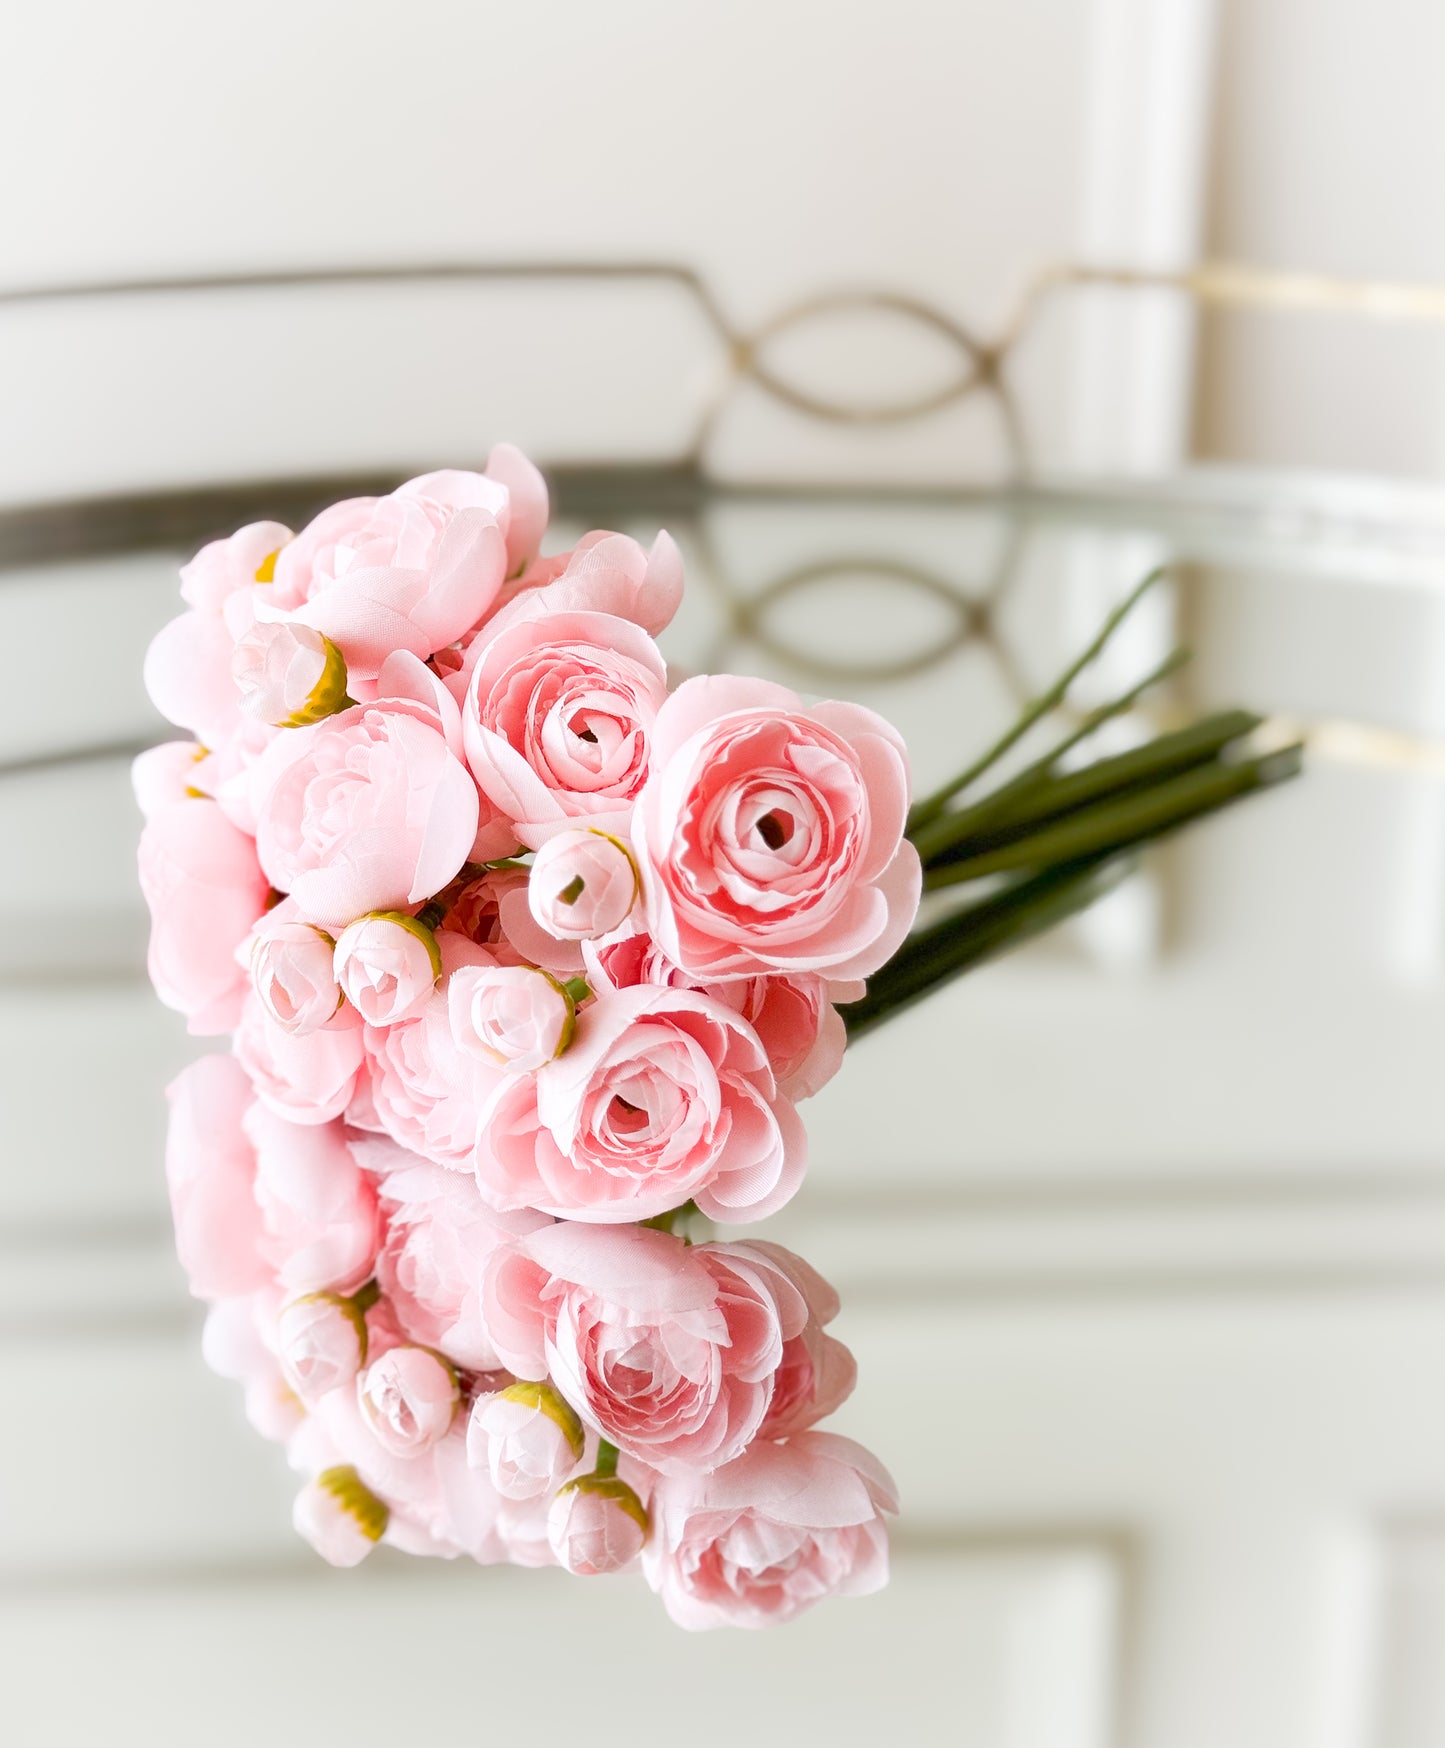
x,y
611,1487
356,1499
328,695
413,926
543,1397
353,1310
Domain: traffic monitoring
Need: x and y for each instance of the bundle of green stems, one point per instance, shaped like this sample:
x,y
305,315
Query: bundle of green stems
x,y
1059,833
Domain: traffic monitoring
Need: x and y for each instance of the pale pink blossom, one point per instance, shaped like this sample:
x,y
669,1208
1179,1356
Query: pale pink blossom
x,y
223,568
414,570
340,1516
558,719
439,1235
307,1077
321,1341
584,883
288,674
235,1344
369,810
668,1352
527,1438
204,889
596,1524
211,1171
794,1017
763,1538
187,674
663,1095
165,774
770,833
291,967
388,964
408,1397
513,1016
603,573
320,1224
816,1373
425,1092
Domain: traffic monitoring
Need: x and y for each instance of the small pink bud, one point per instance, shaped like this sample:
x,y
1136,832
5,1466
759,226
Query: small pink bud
x,y
291,966
388,964
340,1516
510,1014
289,674
583,884
527,1437
408,1398
596,1524
321,1341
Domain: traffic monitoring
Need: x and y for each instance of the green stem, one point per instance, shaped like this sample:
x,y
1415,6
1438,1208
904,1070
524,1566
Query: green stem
x,y
578,990
607,1455
1040,707
1118,824
968,937
1019,808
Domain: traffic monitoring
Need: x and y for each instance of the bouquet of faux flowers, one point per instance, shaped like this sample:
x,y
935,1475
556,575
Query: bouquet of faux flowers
x,y
528,960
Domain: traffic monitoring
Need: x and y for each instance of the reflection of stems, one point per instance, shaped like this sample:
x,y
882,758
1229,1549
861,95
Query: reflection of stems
x,y
931,806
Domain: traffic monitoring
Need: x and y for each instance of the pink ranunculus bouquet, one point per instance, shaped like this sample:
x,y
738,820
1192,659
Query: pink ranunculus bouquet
x,y
527,962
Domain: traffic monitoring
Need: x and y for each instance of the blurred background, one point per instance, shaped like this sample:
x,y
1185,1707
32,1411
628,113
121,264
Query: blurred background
x,y
926,329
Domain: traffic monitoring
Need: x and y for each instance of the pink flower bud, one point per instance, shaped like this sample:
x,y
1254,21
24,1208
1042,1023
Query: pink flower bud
x,y
291,968
408,1398
527,1437
510,1014
289,674
340,1516
584,884
321,1341
596,1524
388,964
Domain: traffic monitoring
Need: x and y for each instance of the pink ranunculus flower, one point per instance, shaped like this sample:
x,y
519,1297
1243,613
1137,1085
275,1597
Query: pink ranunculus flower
x,y
527,1437
794,1017
166,774
320,1222
513,1016
204,889
369,810
527,504
412,571
596,1524
236,1344
307,1077
291,967
770,833
408,1397
439,1234
668,1352
558,719
584,883
816,1373
211,1171
339,1515
288,674
777,1529
603,573
426,1093
663,1095
321,1341
388,964
232,566
187,675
